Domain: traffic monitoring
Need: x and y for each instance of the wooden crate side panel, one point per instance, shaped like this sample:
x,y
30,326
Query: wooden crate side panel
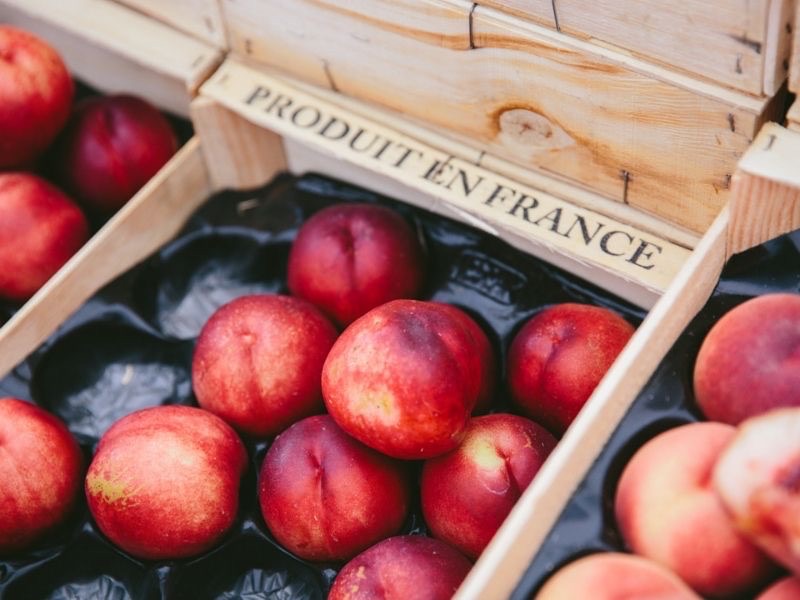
x,y
527,96
150,219
723,41
116,49
200,18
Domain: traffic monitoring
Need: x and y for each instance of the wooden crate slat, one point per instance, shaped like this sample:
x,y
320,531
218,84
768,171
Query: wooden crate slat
x,y
117,49
150,219
725,41
658,141
200,18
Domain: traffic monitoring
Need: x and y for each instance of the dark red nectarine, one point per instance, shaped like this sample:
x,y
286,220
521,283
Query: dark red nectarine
x,y
326,496
559,356
349,258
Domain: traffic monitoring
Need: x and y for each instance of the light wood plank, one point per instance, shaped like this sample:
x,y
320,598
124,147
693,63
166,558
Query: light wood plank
x,y
501,565
116,49
765,200
549,223
146,222
527,95
200,18
723,41
466,149
239,155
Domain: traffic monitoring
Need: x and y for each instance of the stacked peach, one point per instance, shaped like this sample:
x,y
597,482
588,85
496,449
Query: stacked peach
x,y
101,154
717,503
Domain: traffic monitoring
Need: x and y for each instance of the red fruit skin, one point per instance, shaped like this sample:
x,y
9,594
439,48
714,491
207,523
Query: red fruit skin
x,y
403,379
559,356
468,492
111,147
666,496
350,258
749,362
258,362
400,568
36,93
164,483
488,373
40,474
327,497
40,229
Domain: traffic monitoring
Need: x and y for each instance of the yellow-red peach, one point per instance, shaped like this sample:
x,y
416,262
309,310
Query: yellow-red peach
x,y
749,362
758,480
40,474
327,497
559,356
402,568
404,378
468,492
667,510
164,482
258,362
614,576
350,258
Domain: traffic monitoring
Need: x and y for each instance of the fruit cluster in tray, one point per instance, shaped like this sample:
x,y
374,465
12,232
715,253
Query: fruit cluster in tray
x,y
132,347
678,484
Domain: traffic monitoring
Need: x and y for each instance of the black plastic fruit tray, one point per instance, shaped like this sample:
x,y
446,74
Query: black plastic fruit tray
x,y
130,347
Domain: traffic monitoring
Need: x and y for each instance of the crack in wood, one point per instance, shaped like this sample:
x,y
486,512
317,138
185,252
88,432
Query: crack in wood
x,y
471,23
555,15
326,67
626,179
732,122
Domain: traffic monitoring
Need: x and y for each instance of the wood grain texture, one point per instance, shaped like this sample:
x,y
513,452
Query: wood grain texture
x,y
511,210
466,149
633,132
765,199
723,41
117,49
239,155
503,562
150,219
200,18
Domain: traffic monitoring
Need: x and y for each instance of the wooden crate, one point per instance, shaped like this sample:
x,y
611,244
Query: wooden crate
x,y
765,203
246,142
631,131
116,49
200,18
736,43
